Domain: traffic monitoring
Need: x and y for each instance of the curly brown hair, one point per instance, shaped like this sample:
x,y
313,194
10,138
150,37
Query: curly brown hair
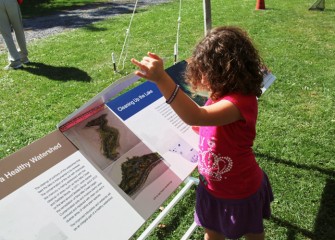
x,y
228,62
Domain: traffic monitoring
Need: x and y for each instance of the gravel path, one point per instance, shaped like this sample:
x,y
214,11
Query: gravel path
x,y
40,27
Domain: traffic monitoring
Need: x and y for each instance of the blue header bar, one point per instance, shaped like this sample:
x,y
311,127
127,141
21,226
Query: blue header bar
x,y
135,100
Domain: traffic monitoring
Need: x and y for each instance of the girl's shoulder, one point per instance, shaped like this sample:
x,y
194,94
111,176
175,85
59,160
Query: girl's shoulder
x,y
247,104
239,98
236,98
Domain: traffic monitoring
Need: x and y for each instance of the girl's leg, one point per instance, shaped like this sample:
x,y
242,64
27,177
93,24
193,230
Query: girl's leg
x,y
255,236
212,235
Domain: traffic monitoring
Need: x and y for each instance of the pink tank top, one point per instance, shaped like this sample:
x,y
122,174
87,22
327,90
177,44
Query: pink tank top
x,y
227,164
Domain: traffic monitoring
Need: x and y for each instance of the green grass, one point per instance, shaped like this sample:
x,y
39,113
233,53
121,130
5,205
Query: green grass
x,y
296,127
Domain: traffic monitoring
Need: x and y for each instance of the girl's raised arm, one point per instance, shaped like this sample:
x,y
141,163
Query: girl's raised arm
x,y
151,67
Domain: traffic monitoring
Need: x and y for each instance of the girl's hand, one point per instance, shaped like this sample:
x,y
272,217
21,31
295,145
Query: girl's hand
x,y
151,67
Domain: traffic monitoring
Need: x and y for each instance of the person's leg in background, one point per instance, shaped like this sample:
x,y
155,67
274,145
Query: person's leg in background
x,y
9,9
15,17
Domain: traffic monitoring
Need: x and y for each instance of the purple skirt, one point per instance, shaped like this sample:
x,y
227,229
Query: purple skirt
x,y
234,217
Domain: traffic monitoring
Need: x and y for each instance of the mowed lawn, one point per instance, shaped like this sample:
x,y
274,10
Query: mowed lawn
x,y
296,124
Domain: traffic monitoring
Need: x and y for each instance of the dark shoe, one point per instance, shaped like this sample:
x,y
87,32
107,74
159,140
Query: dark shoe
x,y
25,60
13,66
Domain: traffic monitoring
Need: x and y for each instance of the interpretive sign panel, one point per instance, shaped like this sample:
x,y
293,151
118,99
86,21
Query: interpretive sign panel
x,y
49,190
103,173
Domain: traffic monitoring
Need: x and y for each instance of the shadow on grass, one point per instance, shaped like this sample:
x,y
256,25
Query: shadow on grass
x,y
57,73
325,219
328,172
93,28
292,230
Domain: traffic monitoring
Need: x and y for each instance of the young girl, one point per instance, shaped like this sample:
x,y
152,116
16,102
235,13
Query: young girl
x,y
234,193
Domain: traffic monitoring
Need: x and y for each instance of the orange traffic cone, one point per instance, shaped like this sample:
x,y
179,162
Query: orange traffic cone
x,y
260,5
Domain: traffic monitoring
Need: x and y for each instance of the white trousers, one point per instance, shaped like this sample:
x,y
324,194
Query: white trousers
x,y
10,17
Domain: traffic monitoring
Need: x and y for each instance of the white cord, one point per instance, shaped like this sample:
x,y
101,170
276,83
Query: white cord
x,y
126,40
124,51
176,46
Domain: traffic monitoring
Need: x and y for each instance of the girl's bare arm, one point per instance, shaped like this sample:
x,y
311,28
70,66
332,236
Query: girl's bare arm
x,y
221,113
